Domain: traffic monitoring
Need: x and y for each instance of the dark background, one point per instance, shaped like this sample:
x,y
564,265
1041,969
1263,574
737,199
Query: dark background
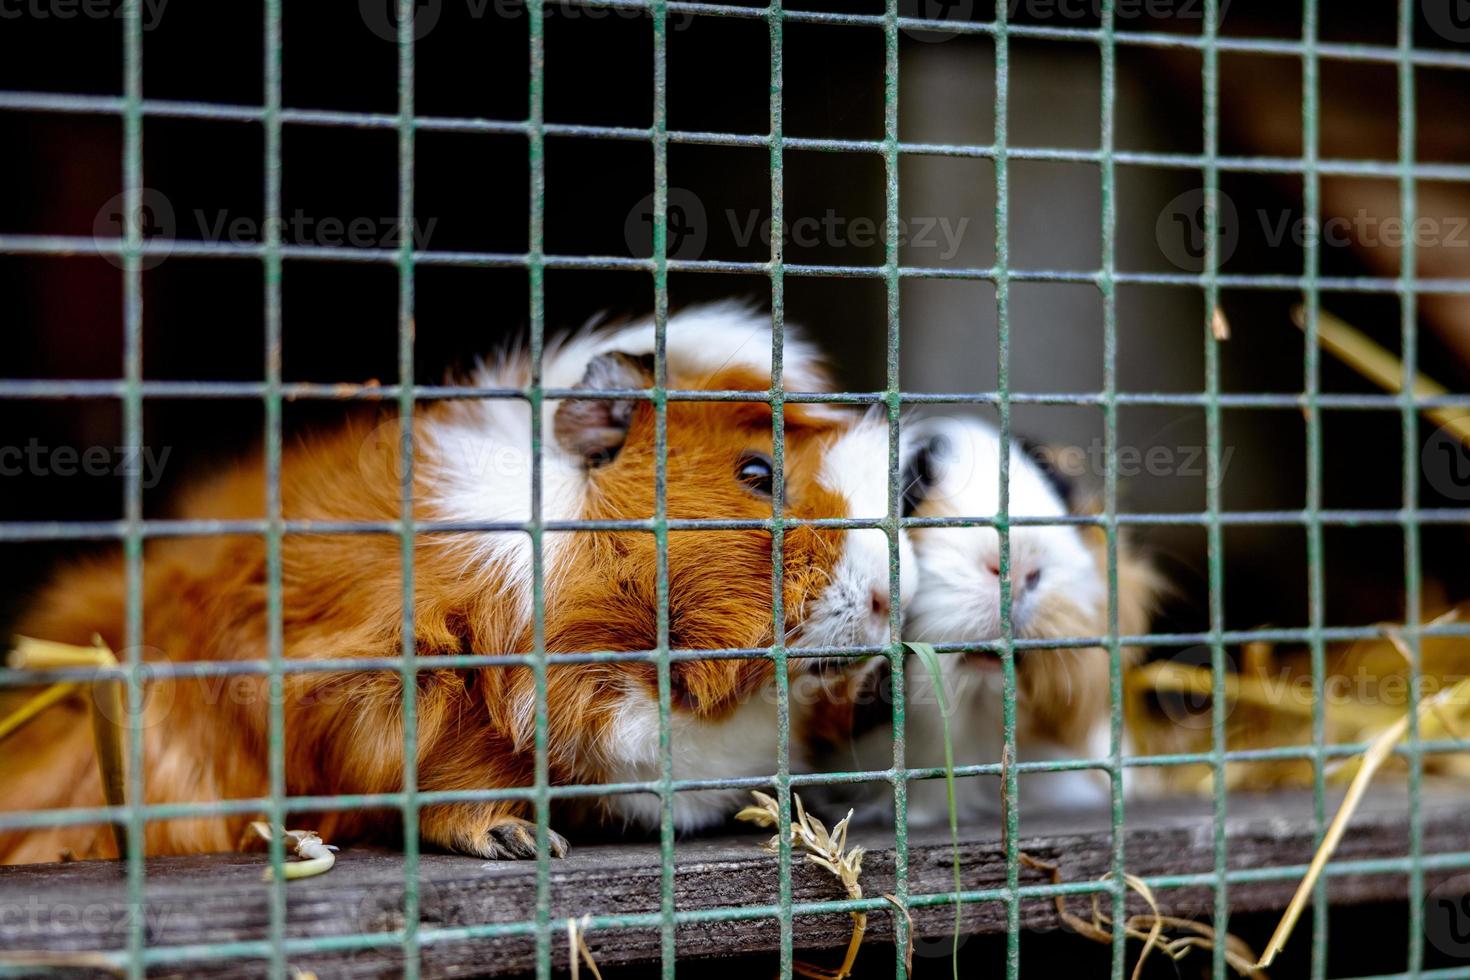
x,y
62,316
203,317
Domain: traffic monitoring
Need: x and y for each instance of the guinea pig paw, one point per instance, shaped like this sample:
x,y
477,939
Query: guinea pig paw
x,y
511,837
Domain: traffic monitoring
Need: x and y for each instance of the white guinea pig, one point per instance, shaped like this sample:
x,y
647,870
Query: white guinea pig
x,y
1058,591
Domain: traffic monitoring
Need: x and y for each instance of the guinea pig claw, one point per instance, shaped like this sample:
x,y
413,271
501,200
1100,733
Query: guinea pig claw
x,y
511,838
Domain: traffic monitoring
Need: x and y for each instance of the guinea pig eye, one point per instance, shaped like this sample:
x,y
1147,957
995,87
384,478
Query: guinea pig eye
x,y
756,472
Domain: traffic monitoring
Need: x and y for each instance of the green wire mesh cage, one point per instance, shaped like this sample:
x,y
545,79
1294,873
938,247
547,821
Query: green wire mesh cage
x,y
135,251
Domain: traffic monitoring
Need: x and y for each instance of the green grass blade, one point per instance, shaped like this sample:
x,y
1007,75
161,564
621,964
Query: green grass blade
x,y
930,659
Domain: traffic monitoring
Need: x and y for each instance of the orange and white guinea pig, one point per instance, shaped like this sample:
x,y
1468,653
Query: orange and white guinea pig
x,y
1058,591
206,600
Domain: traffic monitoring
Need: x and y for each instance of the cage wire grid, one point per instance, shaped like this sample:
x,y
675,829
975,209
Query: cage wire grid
x,y
134,531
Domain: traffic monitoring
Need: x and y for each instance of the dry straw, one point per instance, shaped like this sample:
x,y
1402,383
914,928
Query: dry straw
x,y
1355,349
1148,927
1443,707
825,850
106,709
577,949
21,716
1267,714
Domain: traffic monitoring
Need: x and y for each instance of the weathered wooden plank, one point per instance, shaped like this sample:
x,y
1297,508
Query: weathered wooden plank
x,y
221,898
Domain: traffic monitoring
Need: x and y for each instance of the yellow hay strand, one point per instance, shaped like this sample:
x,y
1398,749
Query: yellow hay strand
x,y
1372,759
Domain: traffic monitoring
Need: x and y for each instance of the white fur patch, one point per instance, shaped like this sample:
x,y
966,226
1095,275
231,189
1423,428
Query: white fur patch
x,y
856,467
742,745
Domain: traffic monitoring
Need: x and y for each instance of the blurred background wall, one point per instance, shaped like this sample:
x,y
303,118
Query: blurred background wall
x,y
61,317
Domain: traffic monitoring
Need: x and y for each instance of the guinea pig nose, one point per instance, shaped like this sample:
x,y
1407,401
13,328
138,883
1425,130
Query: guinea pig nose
x,y
878,602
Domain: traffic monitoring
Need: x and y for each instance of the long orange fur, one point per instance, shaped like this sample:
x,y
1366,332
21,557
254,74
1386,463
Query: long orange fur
x,y
206,600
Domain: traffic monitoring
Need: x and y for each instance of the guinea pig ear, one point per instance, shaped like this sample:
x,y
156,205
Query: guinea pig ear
x,y
921,471
596,428
1045,461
